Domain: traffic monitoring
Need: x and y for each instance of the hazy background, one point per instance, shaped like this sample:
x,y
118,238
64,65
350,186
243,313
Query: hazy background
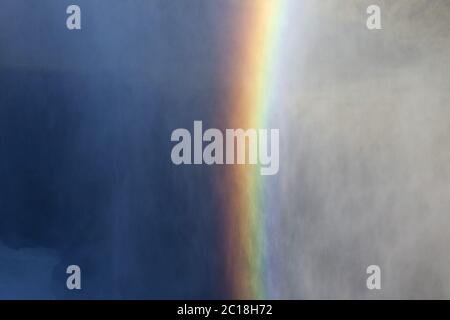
x,y
365,176
85,170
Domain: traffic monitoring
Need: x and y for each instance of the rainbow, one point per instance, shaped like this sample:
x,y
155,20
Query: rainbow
x,y
248,106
